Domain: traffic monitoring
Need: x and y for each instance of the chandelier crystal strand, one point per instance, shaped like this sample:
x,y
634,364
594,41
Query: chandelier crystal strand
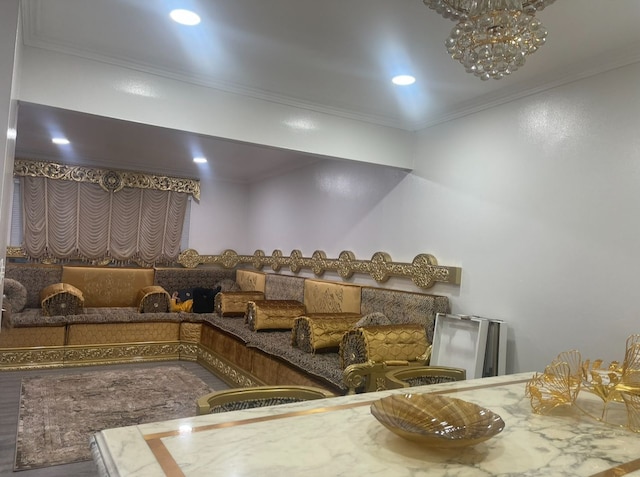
x,y
459,9
496,37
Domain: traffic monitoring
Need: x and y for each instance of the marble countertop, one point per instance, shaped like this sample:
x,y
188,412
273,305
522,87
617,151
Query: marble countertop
x,y
340,437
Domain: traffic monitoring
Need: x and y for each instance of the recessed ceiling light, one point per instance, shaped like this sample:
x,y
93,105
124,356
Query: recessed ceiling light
x,y
62,141
185,17
403,80
200,160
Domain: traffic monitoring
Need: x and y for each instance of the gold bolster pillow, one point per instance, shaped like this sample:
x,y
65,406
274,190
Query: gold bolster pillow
x,y
273,314
153,299
386,343
315,332
61,299
235,303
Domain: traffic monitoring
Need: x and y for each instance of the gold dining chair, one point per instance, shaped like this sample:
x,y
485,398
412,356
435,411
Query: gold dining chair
x,y
404,377
245,398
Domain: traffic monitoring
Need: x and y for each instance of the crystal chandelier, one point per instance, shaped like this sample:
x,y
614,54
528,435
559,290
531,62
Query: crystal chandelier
x,y
492,37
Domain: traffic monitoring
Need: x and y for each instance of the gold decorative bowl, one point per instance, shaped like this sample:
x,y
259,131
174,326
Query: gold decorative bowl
x,y
437,421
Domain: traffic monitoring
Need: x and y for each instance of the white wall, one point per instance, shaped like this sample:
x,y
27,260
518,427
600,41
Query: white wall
x,y
9,75
536,200
218,220
329,206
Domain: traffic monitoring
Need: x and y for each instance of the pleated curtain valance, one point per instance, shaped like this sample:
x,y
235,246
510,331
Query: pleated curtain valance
x,y
65,219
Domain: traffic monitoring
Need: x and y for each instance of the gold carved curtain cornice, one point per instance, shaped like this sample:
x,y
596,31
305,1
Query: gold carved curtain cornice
x,y
109,180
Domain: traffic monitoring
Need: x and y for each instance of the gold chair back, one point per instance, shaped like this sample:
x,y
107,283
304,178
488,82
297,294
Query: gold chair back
x,y
245,398
404,377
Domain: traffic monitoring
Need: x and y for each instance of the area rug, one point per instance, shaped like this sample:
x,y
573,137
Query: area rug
x,y
59,413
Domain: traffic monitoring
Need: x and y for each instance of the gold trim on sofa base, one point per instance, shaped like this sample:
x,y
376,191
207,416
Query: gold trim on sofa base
x,y
231,374
47,357
218,352
17,359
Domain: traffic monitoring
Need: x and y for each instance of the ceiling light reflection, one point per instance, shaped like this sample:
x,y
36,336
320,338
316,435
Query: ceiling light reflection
x,y
138,88
200,160
301,124
403,80
60,141
185,17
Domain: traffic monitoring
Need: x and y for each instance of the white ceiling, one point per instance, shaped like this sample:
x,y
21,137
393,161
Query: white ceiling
x,y
334,56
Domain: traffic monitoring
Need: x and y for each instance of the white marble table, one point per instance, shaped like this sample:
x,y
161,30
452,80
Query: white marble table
x,y
340,437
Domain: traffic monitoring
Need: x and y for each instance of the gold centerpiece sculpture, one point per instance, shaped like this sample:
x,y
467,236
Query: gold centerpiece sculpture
x,y
616,385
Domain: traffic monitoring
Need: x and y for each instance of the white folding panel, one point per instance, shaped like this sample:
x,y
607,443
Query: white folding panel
x,y
460,342
474,343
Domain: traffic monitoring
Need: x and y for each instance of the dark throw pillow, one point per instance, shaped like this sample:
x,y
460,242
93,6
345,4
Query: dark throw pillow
x,y
185,294
203,299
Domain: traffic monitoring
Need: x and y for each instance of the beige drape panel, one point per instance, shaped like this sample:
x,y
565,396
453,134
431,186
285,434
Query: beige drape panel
x,y
66,219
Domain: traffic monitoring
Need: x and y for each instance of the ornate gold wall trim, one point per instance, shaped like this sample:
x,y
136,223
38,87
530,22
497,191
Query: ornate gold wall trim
x,y
423,270
109,180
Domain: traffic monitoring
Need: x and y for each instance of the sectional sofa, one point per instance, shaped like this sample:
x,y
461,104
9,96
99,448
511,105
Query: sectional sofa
x,y
86,315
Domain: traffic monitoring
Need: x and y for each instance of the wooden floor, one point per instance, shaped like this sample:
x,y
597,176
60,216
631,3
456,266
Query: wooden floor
x,y
10,382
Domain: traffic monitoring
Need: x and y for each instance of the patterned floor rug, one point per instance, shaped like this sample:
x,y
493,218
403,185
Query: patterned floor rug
x,y
58,414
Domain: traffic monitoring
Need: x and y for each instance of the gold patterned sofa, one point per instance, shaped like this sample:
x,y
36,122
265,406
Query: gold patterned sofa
x,y
116,316
109,332
267,356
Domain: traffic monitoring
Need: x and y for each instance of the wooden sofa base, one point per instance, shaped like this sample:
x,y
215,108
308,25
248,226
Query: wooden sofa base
x,y
100,344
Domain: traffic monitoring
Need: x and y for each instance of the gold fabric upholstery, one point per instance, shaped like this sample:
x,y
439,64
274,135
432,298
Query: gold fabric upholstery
x,y
260,396
235,303
153,299
249,280
108,286
109,333
273,314
34,336
404,377
61,299
190,332
328,297
395,342
315,332
391,344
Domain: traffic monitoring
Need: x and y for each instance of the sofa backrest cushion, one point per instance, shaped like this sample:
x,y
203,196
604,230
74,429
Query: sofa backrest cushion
x,y
108,286
405,307
173,279
249,280
329,297
35,277
284,287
